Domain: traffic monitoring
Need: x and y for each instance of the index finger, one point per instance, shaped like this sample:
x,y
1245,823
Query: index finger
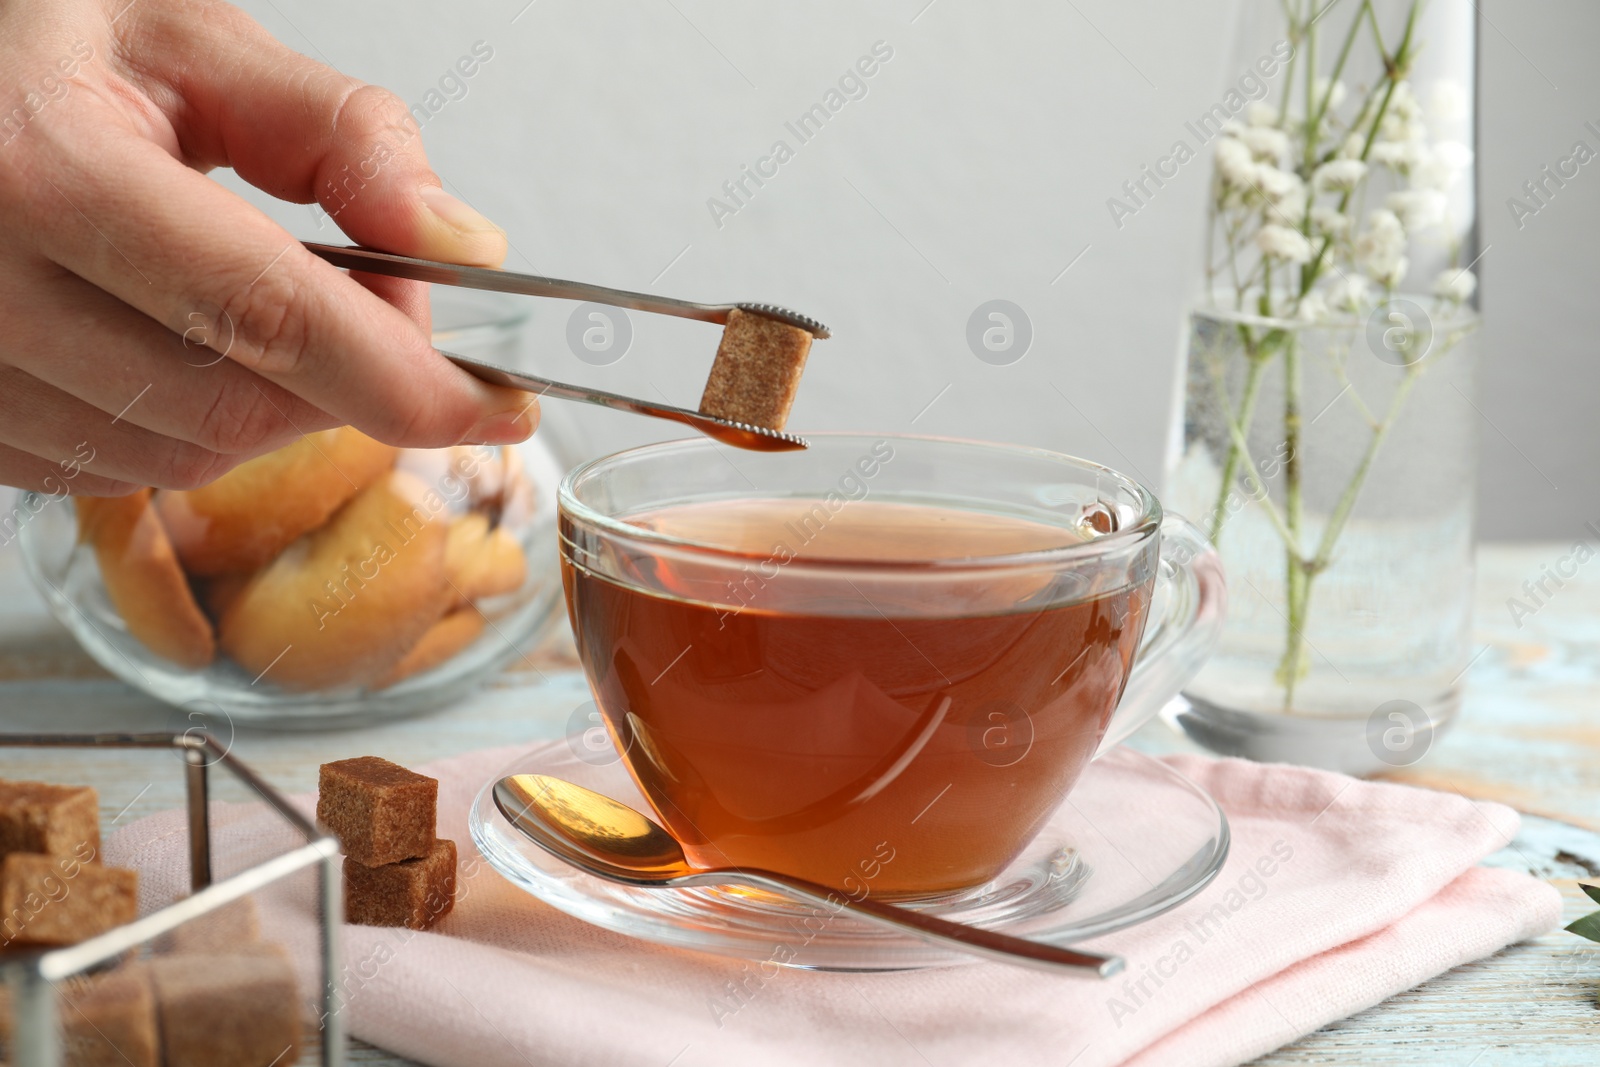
x,y
174,244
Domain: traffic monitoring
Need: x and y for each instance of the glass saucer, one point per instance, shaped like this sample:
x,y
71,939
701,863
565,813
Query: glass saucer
x,y
1133,839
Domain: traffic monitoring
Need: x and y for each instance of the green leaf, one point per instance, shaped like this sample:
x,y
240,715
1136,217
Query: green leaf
x,y
1588,926
1591,891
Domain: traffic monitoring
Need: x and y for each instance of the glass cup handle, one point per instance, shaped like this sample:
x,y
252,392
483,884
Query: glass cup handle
x,y
1176,644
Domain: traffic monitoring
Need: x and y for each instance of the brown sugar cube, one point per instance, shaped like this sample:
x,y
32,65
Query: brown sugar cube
x,y
379,811
110,1020
49,901
58,820
757,370
107,1019
231,928
413,893
227,1010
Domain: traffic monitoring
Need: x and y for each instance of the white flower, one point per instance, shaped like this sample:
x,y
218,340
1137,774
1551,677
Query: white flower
x,y
1349,292
1380,250
1265,143
1394,273
1335,96
1339,174
1385,228
1447,100
1234,163
1261,113
1313,308
1403,102
1427,172
1400,155
1329,221
1353,146
1402,120
1280,242
1275,183
1403,129
1455,285
1417,209
1285,193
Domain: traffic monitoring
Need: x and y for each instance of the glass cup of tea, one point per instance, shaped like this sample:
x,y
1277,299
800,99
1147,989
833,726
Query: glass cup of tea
x,y
884,659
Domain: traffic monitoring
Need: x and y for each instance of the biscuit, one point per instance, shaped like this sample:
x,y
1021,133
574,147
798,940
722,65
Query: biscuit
x,y
482,562
216,594
757,370
246,517
344,603
444,639
143,579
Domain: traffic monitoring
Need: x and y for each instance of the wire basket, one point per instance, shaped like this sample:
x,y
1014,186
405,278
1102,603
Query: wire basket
x,y
32,975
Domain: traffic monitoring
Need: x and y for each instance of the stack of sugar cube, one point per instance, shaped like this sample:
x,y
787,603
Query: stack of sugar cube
x,y
53,889
216,997
397,870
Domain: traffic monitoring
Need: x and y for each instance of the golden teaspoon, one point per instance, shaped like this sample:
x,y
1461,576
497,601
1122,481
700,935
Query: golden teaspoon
x,y
610,840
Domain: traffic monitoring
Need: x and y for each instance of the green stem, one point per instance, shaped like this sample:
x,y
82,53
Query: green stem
x,y
1347,502
1309,157
1295,586
1247,410
1257,489
1396,68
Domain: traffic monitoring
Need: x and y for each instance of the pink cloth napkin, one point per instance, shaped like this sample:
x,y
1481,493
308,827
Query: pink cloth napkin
x,y
1337,894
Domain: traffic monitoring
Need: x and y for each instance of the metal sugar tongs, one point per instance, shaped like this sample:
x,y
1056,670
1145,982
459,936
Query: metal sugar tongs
x,y
738,434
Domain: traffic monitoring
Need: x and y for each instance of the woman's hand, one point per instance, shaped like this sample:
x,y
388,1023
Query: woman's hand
x,y
157,330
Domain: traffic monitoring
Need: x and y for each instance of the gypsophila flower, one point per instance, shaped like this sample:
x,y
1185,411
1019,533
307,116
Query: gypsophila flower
x,y
1280,242
1430,172
1349,292
1265,143
1261,113
1339,175
1403,120
1455,285
1330,221
1285,192
1234,163
1276,184
1417,209
1381,249
1401,155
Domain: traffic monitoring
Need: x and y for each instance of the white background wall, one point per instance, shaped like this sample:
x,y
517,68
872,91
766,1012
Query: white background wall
x,y
976,167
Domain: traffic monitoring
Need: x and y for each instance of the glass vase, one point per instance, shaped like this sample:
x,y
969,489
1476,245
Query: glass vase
x,y
1328,429
1343,508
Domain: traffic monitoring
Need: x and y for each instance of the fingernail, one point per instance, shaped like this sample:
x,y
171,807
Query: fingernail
x,y
505,427
454,213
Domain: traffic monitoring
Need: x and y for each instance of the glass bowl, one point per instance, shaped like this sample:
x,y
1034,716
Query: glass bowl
x,y
394,581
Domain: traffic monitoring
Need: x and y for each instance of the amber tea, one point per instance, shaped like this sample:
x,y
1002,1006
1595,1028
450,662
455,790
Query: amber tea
x,y
890,719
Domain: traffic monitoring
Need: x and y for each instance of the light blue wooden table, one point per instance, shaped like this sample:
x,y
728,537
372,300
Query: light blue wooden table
x,y
1529,736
